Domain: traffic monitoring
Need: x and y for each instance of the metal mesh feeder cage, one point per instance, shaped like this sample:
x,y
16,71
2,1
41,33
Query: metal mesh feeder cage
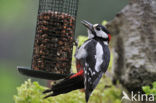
x,y
52,52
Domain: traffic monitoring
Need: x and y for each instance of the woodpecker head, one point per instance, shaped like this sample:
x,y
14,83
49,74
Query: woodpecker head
x,y
97,31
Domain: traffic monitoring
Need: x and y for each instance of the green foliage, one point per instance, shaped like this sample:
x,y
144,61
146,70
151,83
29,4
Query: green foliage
x,y
150,90
82,39
102,94
104,22
32,92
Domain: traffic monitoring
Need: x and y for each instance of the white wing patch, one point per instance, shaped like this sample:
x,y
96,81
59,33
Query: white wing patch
x,y
81,53
98,56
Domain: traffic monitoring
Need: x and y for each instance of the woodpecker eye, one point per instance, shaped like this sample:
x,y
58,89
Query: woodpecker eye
x,y
98,28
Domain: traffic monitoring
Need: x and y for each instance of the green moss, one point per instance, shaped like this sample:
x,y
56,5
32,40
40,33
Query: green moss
x,y
30,93
150,90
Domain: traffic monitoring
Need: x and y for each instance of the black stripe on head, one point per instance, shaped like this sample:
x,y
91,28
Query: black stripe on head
x,y
103,28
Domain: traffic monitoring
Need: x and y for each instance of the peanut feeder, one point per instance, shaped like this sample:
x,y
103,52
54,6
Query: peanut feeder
x,y
52,52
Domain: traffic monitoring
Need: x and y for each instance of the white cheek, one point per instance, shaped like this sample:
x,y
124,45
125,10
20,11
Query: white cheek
x,y
101,34
104,35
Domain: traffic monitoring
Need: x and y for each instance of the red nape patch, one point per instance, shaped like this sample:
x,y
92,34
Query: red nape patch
x,y
80,73
109,37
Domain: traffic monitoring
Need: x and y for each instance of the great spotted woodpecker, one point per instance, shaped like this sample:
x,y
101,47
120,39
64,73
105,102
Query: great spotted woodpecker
x,y
92,60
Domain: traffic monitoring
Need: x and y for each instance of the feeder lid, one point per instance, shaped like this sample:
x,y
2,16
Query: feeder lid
x,y
40,74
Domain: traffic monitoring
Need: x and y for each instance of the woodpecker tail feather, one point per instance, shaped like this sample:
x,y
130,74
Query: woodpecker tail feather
x,y
65,86
87,95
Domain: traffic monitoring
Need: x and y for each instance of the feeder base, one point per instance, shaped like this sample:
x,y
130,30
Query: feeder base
x,y
40,74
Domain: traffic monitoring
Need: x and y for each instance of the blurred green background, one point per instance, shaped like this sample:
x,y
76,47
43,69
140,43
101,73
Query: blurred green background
x,y
17,31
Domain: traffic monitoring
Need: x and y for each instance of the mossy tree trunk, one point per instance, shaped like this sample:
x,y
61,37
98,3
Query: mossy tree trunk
x,y
134,41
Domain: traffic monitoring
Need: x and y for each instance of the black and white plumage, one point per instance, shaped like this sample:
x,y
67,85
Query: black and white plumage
x,y
92,60
96,63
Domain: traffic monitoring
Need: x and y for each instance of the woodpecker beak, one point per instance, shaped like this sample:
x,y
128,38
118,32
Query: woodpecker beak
x,y
87,24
